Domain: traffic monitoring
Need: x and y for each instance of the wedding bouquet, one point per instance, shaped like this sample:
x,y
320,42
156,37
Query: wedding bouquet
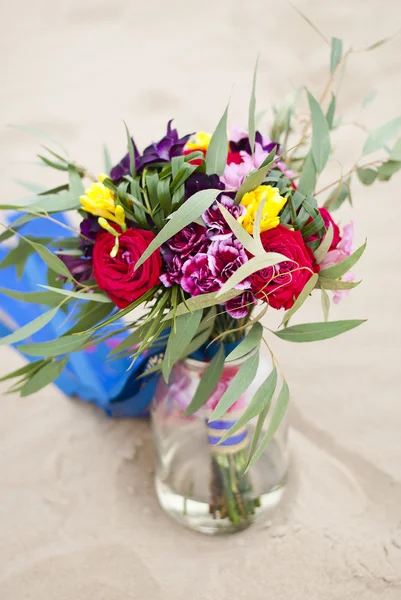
x,y
206,233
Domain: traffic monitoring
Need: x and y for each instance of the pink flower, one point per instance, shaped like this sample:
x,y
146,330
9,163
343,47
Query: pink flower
x,y
234,175
344,249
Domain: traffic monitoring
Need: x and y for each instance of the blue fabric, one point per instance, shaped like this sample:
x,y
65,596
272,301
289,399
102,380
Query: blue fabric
x,y
89,374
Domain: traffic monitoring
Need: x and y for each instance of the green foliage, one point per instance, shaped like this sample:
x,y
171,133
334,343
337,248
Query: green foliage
x,y
255,178
43,377
313,332
381,136
252,109
186,326
320,134
344,266
250,341
216,156
366,176
309,287
30,328
336,53
208,382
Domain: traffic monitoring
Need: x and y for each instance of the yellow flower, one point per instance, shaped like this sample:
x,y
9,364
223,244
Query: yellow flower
x,y
200,142
273,205
98,200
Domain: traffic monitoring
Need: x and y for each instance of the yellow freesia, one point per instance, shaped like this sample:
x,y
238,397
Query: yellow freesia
x,y
272,206
98,200
200,142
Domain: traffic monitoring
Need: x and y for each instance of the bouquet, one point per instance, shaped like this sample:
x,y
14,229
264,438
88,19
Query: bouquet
x,y
206,233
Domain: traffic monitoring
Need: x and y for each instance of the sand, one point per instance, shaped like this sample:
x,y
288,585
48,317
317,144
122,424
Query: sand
x,y
78,516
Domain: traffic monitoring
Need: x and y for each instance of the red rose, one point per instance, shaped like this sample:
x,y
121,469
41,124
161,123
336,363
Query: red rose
x,y
195,161
234,157
116,276
281,284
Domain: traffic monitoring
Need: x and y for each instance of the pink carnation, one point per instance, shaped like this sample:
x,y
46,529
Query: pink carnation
x,y
344,249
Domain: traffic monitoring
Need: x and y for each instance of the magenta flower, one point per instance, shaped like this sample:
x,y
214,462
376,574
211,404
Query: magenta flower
x,y
201,275
239,307
173,271
190,240
216,223
230,256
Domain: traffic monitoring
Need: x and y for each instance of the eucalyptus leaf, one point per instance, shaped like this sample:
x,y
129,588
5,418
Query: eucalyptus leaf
x,y
331,111
307,290
250,341
325,304
369,98
339,195
30,328
366,176
43,377
239,384
62,345
185,329
208,382
320,134
255,178
76,186
337,284
216,156
88,296
108,165
259,403
344,266
240,233
47,298
395,153
381,136
387,169
26,370
131,152
90,316
53,262
268,259
252,108
324,247
278,415
307,181
336,53
193,208
312,332
201,301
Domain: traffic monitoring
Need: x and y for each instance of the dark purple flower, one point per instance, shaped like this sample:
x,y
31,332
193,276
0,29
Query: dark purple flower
x,y
230,256
243,144
238,307
163,151
89,227
190,240
79,266
200,181
218,228
200,275
173,271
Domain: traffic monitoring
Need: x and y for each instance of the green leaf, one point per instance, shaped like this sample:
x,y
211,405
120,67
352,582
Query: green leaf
x,y
193,208
260,402
331,111
395,153
309,286
252,108
239,384
183,173
46,375
216,156
339,195
344,266
387,169
381,136
336,53
17,256
53,262
201,301
186,327
278,415
249,342
91,315
30,328
240,233
268,259
369,98
203,334
46,298
53,203
312,332
324,247
325,304
27,369
336,284
88,296
131,151
320,135
207,383
62,345
366,176
308,177
255,178
76,186
108,165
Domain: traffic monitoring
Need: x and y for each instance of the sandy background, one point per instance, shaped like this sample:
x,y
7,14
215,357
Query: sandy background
x,y
78,516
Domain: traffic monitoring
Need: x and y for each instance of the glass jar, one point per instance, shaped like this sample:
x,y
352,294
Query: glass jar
x,y
202,484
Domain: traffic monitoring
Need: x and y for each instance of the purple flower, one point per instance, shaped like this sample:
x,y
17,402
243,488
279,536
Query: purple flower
x,y
190,240
230,256
200,275
216,223
239,141
200,181
173,272
79,266
238,307
89,227
163,151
